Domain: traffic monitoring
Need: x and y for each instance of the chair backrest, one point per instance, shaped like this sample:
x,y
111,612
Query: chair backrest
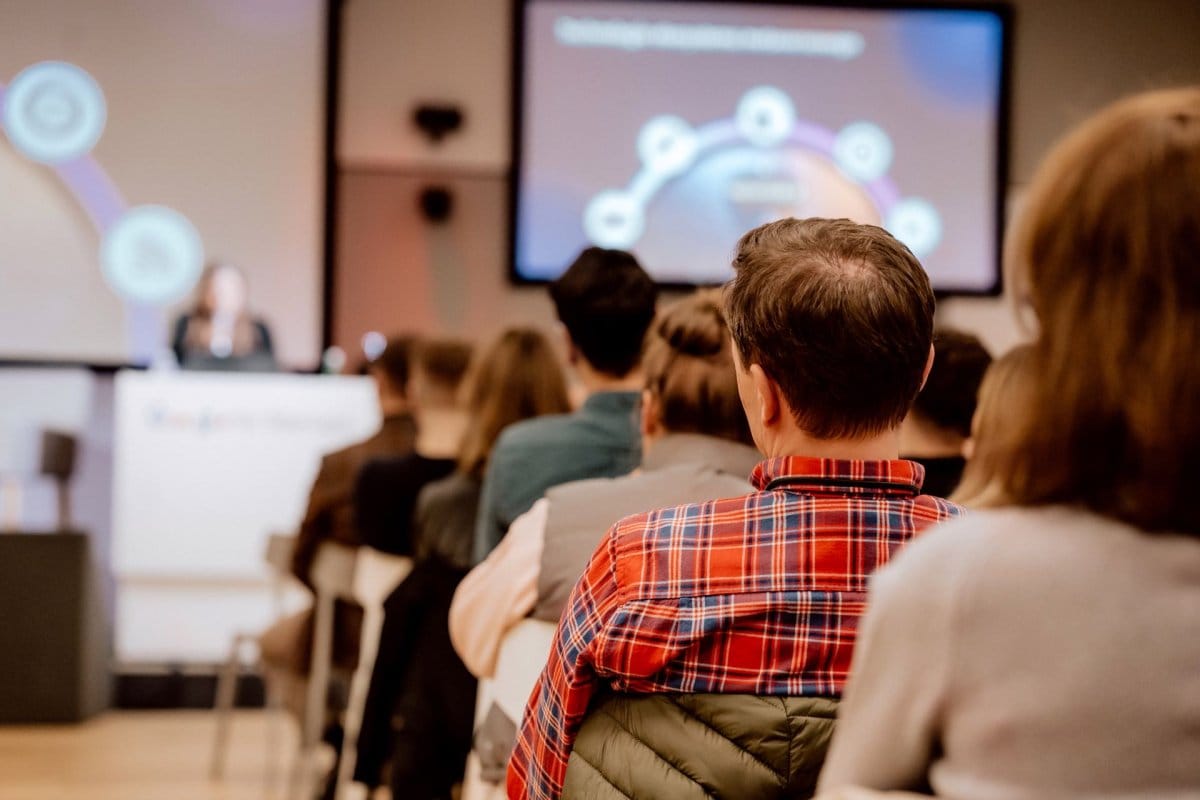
x,y
377,575
333,570
523,654
500,702
279,550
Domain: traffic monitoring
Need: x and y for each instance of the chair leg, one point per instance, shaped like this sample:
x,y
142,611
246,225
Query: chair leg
x,y
360,682
306,777
226,688
274,722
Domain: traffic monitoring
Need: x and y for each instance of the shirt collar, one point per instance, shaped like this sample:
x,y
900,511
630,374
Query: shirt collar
x,y
837,476
608,403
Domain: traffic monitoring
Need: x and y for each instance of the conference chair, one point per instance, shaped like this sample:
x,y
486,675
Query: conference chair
x,y
376,576
278,557
501,700
332,577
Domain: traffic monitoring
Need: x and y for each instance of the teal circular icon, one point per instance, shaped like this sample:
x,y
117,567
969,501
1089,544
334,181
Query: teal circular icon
x,y
152,255
54,112
863,151
614,219
765,116
916,223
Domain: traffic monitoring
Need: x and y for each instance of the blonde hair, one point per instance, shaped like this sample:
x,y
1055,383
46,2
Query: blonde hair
x,y
688,366
1105,254
1004,398
515,378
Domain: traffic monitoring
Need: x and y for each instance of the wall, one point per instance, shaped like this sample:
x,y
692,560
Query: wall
x,y
395,271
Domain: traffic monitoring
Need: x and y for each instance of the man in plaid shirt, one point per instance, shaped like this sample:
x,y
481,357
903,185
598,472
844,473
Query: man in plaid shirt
x,y
832,324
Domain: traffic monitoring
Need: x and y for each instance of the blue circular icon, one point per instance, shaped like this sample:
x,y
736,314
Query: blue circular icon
x,y
614,219
765,116
916,223
152,255
54,112
667,145
863,151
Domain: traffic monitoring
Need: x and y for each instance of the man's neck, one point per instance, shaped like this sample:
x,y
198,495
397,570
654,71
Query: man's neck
x,y
393,407
595,381
440,432
884,447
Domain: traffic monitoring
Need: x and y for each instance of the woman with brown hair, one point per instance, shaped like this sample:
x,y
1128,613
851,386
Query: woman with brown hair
x,y
419,709
1052,648
219,332
1003,401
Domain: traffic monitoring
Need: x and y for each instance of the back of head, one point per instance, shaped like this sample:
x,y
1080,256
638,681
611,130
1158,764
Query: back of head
x,y
839,315
947,402
606,302
394,362
1104,253
1004,400
688,365
515,378
441,364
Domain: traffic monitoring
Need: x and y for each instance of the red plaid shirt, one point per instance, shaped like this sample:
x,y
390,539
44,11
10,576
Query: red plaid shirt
x,y
758,594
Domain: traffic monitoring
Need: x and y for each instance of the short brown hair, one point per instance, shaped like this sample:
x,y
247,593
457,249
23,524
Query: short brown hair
x,y
688,365
1105,253
949,396
515,378
394,362
443,362
840,315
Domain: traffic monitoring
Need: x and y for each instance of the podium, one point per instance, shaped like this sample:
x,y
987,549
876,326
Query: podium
x,y
54,659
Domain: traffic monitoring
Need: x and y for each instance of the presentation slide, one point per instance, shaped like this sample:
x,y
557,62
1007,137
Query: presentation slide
x,y
670,129
141,140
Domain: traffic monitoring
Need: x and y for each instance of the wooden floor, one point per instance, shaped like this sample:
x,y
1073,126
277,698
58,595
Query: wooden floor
x,y
143,755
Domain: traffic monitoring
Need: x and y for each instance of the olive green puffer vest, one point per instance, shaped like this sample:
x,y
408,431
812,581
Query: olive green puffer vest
x,y
700,745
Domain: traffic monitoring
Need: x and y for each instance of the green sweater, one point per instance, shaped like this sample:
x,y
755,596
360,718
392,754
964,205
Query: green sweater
x,y
700,745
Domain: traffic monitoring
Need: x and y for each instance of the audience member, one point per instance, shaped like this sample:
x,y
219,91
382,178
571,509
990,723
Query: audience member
x,y
759,595
219,332
605,302
330,517
696,446
936,430
1003,400
1050,649
421,708
387,488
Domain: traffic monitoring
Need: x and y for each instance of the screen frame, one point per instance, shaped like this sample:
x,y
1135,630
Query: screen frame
x,y
1001,8
331,68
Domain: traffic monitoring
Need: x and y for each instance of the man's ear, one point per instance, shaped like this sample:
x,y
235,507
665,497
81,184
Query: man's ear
x,y
767,393
651,415
928,367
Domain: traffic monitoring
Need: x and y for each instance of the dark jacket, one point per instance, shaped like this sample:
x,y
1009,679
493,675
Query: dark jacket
x,y
700,745
330,515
